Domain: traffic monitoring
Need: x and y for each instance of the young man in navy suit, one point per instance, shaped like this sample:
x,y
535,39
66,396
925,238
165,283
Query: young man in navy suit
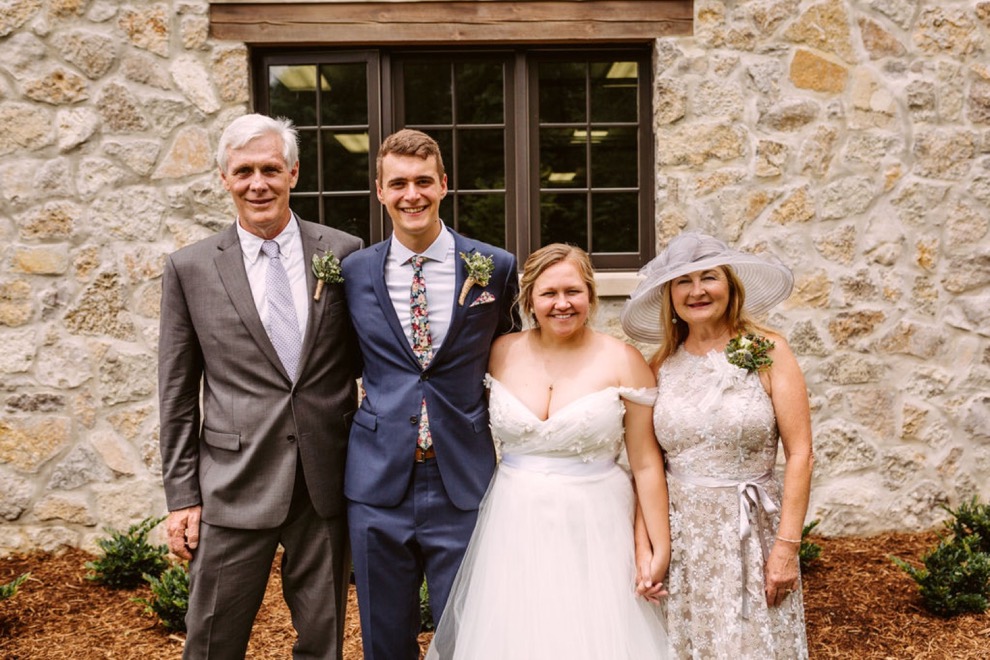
x,y
420,454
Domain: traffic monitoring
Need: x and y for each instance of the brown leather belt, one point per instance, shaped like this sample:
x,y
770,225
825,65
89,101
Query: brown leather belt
x,y
423,454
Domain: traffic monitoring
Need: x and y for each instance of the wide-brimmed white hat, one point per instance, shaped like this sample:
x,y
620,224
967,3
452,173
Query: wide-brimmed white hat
x,y
765,279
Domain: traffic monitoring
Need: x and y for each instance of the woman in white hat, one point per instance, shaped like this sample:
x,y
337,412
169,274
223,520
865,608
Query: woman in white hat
x,y
728,389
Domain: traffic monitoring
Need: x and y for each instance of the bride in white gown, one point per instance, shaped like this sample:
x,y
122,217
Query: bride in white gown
x,y
550,570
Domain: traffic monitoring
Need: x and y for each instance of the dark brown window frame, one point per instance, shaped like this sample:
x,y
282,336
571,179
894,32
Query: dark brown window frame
x,y
371,26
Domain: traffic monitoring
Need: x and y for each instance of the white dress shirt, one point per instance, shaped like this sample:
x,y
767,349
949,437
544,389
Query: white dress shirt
x,y
291,255
440,275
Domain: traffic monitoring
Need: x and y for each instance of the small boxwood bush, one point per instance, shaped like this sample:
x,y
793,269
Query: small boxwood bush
x,y
128,556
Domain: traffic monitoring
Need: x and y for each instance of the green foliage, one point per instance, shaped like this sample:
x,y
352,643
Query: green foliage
x,y
971,519
955,578
170,597
10,589
425,613
128,556
809,550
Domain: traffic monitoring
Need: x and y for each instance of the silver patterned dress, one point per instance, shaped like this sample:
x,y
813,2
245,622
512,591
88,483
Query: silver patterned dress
x,y
716,425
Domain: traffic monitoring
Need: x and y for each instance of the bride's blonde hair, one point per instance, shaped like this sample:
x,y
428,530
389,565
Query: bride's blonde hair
x,y
544,258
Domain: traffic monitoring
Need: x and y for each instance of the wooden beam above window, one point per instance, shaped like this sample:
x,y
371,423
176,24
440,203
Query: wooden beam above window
x,y
448,21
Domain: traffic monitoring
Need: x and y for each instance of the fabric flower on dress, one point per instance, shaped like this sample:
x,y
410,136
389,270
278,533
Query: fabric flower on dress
x,y
726,376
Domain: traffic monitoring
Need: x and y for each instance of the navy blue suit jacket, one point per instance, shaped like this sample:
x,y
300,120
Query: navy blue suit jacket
x,y
380,461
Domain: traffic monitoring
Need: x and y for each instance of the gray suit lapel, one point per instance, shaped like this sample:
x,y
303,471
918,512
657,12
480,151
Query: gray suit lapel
x,y
313,242
230,266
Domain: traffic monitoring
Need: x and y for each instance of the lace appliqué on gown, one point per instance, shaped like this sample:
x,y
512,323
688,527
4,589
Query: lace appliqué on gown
x,y
550,572
717,428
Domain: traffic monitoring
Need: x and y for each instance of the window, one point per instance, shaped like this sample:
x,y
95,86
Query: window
x,y
539,144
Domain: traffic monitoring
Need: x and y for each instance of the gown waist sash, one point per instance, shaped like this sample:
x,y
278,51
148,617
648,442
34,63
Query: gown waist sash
x,y
571,466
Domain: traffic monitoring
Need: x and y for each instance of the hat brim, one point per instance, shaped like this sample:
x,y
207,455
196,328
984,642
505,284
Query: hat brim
x,y
764,282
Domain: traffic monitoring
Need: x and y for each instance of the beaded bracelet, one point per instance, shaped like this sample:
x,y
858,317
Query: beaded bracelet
x,y
781,538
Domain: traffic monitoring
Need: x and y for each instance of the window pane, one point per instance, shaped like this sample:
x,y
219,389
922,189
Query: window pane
x,y
562,92
350,214
306,207
292,93
309,162
344,95
482,217
614,158
562,158
445,140
345,161
614,91
563,219
615,222
426,93
481,159
480,95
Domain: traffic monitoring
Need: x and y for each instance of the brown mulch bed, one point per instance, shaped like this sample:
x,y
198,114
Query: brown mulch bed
x,y
858,604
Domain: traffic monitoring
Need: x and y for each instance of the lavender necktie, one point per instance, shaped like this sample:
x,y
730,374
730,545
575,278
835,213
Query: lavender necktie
x,y
283,324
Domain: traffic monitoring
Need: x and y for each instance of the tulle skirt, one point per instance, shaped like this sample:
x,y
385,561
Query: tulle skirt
x,y
550,570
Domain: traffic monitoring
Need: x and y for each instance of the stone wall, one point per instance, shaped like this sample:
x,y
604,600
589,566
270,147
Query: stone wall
x,y
850,138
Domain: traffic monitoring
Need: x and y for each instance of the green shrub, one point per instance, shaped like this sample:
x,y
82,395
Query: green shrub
x,y
170,597
10,589
809,550
971,519
955,578
425,613
128,556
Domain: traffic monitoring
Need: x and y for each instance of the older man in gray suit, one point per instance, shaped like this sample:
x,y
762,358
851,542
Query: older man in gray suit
x,y
257,390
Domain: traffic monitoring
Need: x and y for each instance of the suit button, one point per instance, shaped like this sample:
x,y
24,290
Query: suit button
x,y
424,377
291,438
414,419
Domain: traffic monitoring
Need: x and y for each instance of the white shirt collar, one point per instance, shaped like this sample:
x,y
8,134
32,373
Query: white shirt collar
x,y
251,244
437,251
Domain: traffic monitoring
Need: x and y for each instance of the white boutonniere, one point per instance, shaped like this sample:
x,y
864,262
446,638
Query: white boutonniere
x,y
327,271
479,271
749,352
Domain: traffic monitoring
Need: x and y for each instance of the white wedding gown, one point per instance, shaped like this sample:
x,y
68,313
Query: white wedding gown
x,y
550,572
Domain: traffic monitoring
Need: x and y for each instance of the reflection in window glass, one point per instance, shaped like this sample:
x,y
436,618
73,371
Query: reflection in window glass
x,y
614,158
349,213
563,161
540,144
563,94
427,92
612,224
482,217
292,93
344,97
563,219
614,91
595,154
345,160
480,159
480,95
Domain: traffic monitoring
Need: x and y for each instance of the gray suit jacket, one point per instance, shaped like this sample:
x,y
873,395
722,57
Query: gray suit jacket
x,y
233,425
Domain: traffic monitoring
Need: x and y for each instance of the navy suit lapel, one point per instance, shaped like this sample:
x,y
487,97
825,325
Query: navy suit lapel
x,y
457,317
385,301
230,266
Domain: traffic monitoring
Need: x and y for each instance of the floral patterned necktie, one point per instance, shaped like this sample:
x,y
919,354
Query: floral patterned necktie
x,y
422,342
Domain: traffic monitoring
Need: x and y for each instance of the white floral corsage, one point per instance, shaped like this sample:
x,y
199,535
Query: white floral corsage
x,y
479,271
327,271
749,352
